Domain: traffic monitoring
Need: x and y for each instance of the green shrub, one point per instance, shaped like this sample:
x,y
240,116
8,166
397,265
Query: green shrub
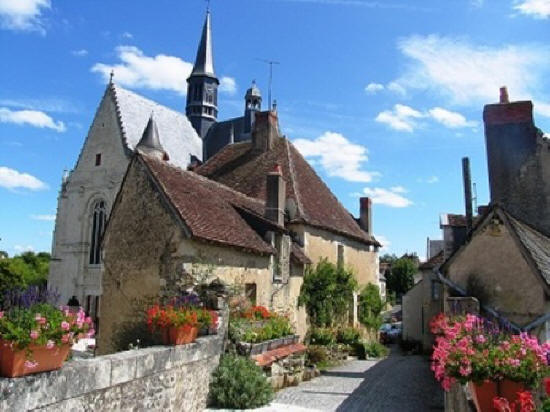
x,y
375,350
316,355
370,307
238,383
252,331
322,336
348,336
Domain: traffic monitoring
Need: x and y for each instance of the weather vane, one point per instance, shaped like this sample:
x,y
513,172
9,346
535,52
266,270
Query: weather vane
x,y
207,5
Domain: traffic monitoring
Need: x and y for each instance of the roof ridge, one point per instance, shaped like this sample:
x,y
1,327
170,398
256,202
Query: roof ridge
x,y
112,87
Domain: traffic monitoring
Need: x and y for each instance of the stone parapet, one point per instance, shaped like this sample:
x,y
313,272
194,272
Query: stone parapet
x,y
167,378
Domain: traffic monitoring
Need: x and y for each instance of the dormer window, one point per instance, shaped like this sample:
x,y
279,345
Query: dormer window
x,y
98,159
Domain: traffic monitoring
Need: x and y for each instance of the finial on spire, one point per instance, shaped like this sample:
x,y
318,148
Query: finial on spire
x,y
111,75
208,6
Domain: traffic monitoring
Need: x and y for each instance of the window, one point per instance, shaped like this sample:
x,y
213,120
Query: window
x,y
98,225
250,292
98,159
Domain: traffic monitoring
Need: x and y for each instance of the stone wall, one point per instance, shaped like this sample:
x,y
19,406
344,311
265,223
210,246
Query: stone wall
x,y
159,378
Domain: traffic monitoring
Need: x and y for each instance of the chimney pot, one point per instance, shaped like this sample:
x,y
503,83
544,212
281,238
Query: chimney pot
x,y
504,99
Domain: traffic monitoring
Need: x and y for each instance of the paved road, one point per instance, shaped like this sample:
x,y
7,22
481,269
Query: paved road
x,y
398,383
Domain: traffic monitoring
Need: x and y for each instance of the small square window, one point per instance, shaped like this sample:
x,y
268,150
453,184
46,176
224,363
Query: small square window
x,y
98,159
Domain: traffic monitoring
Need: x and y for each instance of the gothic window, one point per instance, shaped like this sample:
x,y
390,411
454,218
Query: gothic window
x,y
98,225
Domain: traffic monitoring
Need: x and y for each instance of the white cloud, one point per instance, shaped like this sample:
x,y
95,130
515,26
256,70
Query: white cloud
x,y
80,53
136,70
47,218
50,104
539,9
337,156
373,88
450,119
23,248
387,197
228,85
402,118
23,15
384,242
127,35
398,189
396,88
432,179
12,179
31,117
471,74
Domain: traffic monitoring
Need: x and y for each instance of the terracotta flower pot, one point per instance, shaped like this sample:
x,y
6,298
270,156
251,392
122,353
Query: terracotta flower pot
x,y
182,335
13,362
484,393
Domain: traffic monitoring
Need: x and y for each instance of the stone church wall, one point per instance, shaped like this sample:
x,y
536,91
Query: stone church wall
x,y
70,271
159,378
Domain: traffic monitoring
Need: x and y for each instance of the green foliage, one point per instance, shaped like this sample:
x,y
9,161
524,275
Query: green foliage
x,y
401,277
238,383
348,336
326,293
375,350
370,307
27,269
322,336
316,355
248,330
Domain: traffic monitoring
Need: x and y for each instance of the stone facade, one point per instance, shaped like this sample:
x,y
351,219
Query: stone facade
x,y
160,378
148,253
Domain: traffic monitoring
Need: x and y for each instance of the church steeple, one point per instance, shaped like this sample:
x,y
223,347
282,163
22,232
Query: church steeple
x,y
202,90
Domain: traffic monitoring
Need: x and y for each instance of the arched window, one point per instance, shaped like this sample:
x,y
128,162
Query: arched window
x,y
98,225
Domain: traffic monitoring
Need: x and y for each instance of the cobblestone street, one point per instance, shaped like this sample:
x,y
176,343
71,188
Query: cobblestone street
x,y
398,383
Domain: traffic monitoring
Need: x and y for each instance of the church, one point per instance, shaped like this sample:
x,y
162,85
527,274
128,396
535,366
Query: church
x,y
235,193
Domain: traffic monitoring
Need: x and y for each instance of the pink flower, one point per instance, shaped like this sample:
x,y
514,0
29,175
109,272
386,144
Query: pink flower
x,y
514,362
65,338
65,325
480,339
1,314
88,320
50,344
30,364
90,333
34,334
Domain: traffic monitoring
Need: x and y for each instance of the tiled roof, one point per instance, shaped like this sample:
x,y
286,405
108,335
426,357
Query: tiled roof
x,y
433,262
177,135
208,209
244,170
298,255
537,244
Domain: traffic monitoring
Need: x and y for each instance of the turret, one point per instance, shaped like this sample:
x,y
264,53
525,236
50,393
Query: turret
x,y
253,104
149,143
202,89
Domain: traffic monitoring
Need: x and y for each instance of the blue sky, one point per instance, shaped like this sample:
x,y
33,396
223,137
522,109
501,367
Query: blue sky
x,y
383,97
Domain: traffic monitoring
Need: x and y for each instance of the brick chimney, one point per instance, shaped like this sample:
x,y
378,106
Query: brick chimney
x,y
515,162
365,214
275,196
266,130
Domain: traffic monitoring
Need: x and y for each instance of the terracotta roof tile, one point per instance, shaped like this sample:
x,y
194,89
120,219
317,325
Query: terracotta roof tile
x,y
209,209
244,170
434,261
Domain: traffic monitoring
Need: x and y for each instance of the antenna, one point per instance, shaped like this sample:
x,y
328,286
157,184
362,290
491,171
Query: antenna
x,y
271,63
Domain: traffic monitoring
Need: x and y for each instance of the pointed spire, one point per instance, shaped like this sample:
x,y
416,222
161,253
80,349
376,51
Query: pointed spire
x,y
204,63
150,141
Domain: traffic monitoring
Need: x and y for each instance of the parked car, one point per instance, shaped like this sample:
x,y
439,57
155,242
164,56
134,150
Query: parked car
x,y
390,332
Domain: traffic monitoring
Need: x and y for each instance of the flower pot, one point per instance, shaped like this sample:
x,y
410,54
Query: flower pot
x,y
182,335
484,393
14,362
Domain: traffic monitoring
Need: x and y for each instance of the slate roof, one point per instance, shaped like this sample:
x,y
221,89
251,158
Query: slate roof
x,y
177,136
536,244
221,134
312,201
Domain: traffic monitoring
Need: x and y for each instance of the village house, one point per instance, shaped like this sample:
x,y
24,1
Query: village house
x,y
167,220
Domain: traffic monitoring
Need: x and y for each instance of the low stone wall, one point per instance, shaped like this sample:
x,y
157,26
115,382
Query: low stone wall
x,y
159,378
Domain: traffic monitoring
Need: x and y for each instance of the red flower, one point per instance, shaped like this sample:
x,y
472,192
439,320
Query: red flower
x,y
526,403
547,386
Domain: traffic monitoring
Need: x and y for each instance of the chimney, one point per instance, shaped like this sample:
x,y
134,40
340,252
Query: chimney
x,y
365,214
467,192
275,196
511,140
265,131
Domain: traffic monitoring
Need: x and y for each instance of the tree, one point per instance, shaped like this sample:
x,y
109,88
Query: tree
x,y
400,279
370,307
327,293
27,269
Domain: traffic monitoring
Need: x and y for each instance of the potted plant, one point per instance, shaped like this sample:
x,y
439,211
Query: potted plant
x,y
39,338
177,325
473,351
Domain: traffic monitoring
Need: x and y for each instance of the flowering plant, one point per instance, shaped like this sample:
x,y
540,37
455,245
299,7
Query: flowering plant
x,y
167,316
45,325
469,348
257,312
525,403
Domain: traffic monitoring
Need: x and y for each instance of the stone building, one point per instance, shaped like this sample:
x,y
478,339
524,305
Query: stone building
x,y
89,190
